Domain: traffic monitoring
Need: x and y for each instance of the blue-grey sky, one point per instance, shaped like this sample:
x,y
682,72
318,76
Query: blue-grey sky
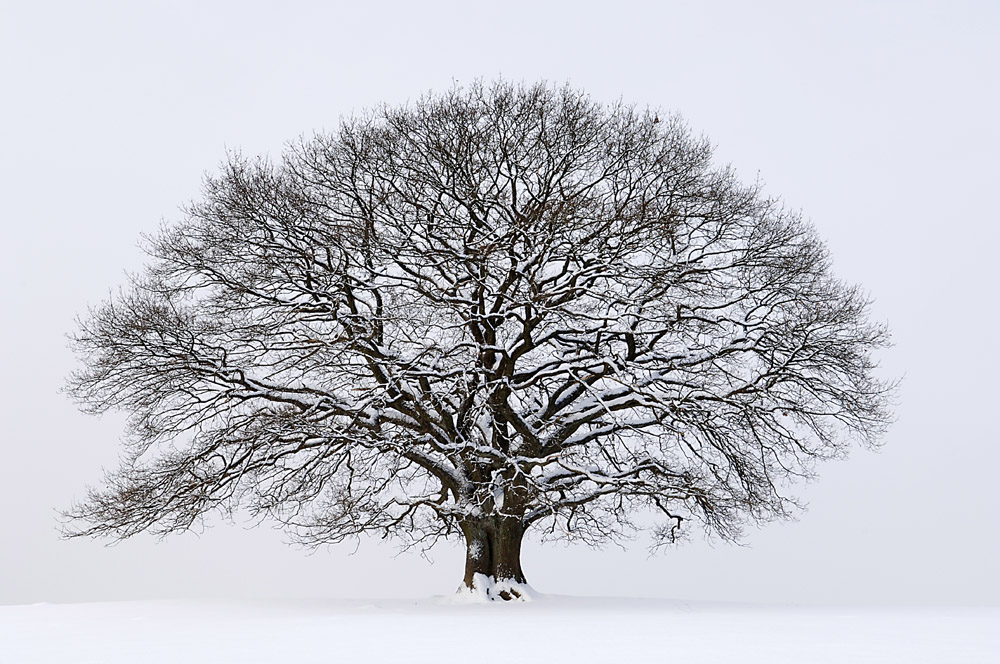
x,y
877,119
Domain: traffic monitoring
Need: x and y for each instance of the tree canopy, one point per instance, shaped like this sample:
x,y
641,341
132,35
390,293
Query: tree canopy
x,y
498,308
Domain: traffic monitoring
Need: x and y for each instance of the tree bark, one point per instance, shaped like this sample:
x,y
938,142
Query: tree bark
x,y
493,549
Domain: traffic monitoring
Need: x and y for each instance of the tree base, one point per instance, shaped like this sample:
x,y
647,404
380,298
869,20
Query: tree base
x,y
490,589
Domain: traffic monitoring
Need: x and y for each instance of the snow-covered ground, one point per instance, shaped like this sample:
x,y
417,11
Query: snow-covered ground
x,y
552,629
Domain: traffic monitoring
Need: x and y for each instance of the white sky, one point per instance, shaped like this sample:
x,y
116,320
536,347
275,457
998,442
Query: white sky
x,y
877,119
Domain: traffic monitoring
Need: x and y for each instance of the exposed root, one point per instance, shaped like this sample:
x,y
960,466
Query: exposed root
x,y
490,589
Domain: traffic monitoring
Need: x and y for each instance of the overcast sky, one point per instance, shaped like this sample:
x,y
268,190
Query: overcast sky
x,y
877,119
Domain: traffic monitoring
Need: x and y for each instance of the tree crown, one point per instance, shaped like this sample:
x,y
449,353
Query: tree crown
x,y
503,302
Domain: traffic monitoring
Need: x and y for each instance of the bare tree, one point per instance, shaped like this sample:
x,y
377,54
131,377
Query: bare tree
x,y
499,308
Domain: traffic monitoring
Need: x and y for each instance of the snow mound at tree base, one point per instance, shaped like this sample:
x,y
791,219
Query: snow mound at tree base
x,y
490,589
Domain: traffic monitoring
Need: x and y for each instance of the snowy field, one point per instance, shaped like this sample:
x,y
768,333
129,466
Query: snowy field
x,y
551,629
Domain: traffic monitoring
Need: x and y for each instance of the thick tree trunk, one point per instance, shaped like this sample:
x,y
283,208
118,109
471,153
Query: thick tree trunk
x,y
493,550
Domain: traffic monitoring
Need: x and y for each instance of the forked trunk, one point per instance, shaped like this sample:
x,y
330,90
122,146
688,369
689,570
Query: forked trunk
x,y
493,558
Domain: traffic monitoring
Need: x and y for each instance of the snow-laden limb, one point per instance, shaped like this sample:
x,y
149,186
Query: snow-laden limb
x,y
499,309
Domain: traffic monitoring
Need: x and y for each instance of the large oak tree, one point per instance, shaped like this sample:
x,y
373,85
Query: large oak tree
x,y
500,308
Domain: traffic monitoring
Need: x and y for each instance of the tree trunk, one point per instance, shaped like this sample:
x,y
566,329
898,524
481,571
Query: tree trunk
x,y
493,550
